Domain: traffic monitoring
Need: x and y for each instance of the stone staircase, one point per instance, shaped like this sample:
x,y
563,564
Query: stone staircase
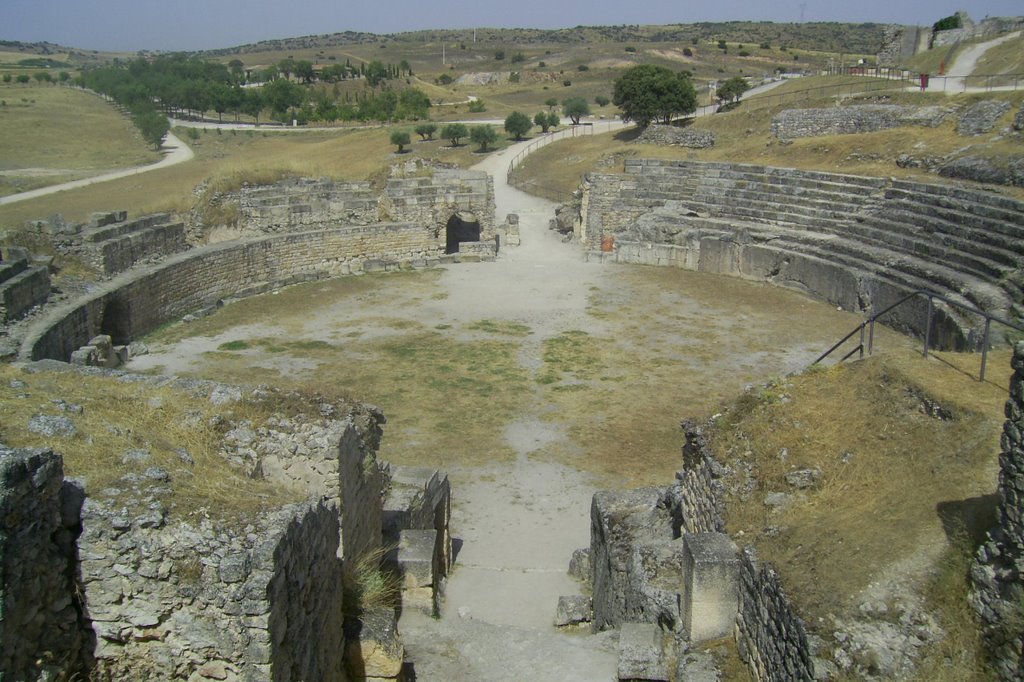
x,y
112,244
23,284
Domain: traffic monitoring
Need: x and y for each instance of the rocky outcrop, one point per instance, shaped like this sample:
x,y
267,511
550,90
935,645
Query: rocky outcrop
x,y
982,117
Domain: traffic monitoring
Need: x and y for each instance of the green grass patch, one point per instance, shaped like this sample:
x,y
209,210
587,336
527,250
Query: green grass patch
x,y
234,345
502,328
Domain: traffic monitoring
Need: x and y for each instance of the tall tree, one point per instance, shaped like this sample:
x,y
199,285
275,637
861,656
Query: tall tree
x,y
517,124
647,93
484,136
575,108
453,132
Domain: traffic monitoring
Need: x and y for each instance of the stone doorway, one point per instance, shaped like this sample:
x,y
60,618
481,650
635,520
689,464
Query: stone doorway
x,y
116,322
461,227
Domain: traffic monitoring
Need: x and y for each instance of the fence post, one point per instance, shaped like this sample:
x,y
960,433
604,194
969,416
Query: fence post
x,y
984,348
871,336
861,341
928,327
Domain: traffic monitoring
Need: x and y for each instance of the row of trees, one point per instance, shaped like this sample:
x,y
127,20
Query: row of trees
x,y
40,76
179,85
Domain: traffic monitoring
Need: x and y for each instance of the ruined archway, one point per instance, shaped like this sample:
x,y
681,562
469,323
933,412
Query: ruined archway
x,y
463,226
116,321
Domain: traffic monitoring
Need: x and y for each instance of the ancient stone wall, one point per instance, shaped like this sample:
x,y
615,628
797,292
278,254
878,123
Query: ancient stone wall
x,y
772,638
166,599
697,493
850,120
140,301
676,137
118,246
998,573
989,26
902,41
40,636
22,285
429,199
660,556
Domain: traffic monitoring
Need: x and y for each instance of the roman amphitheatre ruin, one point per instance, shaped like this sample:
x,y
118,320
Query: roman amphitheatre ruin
x,y
427,424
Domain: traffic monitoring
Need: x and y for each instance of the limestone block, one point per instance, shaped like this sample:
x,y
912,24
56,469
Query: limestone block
x,y
574,609
642,653
373,647
711,589
416,558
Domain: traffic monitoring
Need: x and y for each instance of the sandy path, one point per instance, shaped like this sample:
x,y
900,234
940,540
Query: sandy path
x,y
519,523
175,152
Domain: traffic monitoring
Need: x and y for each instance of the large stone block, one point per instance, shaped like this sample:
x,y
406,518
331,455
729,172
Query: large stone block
x,y
642,653
711,588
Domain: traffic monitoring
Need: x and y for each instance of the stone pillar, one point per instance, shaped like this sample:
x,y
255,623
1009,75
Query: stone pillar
x,y
40,636
998,573
711,587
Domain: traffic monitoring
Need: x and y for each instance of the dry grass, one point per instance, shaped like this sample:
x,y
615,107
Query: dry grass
x,y
117,417
42,141
227,158
745,134
888,470
447,396
368,586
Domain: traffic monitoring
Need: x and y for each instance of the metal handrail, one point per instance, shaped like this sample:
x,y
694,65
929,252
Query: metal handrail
x,y
575,130
932,296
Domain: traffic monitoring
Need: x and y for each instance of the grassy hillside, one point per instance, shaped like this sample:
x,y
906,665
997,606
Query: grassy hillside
x,y
744,135
53,134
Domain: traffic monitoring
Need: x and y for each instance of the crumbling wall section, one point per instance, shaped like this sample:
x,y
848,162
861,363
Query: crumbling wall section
x,y
998,572
22,284
40,635
168,598
852,120
140,301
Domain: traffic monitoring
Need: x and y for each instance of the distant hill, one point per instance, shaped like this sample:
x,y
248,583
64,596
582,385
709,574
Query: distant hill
x,y
821,36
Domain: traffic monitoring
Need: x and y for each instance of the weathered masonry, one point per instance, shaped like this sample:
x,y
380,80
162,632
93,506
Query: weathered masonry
x,y
857,242
117,583
306,230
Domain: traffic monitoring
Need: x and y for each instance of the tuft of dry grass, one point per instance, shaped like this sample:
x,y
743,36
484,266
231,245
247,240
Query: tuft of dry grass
x,y
368,585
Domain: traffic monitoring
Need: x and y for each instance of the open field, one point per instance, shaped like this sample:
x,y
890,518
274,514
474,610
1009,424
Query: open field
x,y
42,141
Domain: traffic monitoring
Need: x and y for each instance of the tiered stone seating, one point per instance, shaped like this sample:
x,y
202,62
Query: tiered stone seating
x,y
112,244
885,235
22,284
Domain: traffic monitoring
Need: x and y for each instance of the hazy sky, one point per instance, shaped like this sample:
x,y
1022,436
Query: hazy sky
x,y
202,24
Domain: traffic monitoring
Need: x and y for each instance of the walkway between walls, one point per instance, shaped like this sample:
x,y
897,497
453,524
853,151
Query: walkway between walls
x,y
519,523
